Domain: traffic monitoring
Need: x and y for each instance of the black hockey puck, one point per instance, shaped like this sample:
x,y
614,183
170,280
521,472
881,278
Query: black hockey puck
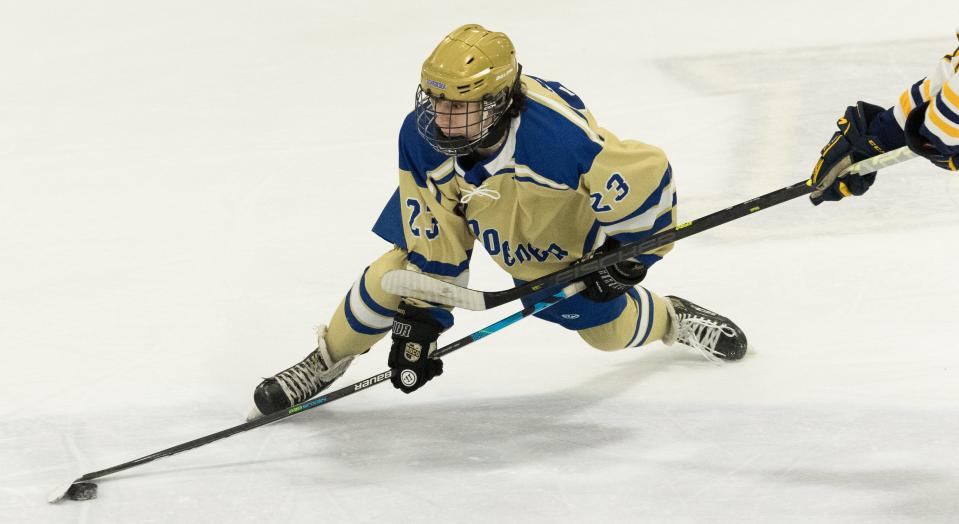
x,y
82,491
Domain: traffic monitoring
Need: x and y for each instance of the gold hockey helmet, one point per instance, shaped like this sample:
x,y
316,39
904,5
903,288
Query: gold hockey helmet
x,y
470,63
465,88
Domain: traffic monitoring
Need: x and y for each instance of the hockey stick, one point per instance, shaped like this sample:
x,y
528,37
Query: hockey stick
x,y
408,283
82,489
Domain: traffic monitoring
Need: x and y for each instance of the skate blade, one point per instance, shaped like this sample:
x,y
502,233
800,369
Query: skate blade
x,y
254,414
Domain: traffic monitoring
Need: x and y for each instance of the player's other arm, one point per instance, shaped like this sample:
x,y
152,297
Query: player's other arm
x,y
437,242
631,192
932,128
925,117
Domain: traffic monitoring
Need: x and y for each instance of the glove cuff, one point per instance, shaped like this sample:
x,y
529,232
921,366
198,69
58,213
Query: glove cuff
x,y
630,271
416,323
920,145
856,130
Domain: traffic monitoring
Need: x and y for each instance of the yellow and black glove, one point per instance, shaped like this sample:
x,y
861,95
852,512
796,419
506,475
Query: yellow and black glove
x,y
847,146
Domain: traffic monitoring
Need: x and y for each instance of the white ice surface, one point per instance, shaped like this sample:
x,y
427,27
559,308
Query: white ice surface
x,y
186,188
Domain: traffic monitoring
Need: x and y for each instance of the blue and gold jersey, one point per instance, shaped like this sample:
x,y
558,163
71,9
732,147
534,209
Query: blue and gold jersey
x,y
555,190
941,90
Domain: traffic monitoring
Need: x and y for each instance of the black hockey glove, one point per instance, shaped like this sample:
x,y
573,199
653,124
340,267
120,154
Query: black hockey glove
x,y
414,338
921,146
611,281
847,146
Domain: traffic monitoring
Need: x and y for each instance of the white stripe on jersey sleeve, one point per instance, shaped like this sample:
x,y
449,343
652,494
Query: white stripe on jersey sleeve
x,y
646,220
943,72
526,171
938,122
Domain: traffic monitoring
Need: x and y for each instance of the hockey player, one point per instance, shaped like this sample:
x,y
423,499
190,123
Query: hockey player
x,y
926,119
518,164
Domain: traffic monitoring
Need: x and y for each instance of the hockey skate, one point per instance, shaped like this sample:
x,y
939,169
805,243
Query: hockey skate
x,y
299,382
714,335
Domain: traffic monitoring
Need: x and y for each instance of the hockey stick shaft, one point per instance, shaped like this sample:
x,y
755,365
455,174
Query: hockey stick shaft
x,y
693,227
379,378
422,286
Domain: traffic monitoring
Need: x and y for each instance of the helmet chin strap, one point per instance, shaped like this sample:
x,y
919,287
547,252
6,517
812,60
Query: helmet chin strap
x,y
493,136
455,142
496,133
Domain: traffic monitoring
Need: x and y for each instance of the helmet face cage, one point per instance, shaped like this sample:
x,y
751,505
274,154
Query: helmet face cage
x,y
454,127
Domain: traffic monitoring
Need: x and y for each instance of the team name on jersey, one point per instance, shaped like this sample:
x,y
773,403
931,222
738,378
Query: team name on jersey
x,y
521,252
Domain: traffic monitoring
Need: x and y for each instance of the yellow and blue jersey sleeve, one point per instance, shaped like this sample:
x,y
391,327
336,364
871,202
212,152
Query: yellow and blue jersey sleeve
x,y
629,184
941,90
420,217
631,190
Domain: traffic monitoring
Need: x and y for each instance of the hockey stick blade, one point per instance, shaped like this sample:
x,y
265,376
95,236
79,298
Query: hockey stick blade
x,y
60,492
64,489
406,283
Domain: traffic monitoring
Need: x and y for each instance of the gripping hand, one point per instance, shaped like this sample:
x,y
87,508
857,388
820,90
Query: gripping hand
x,y
611,281
415,332
847,146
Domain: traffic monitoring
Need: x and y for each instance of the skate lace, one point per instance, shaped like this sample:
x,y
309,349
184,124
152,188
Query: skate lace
x,y
703,335
468,194
302,381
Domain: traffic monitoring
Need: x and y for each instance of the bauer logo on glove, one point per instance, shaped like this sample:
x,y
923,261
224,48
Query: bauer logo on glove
x,y
401,330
